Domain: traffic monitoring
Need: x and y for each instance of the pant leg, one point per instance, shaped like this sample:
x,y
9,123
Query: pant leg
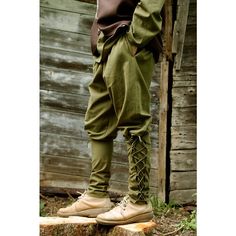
x,y
119,93
100,123
120,99
139,149
101,165
128,81
100,115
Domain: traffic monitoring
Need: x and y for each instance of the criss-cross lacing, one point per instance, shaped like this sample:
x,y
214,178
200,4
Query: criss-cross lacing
x,y
138,151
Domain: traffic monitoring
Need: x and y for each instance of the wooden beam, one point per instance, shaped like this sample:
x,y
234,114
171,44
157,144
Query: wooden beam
x,y
168,30
163,130
179,31
163,112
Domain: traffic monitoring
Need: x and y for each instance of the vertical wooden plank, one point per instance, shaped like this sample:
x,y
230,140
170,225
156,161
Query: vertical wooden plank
x,y
163,130
168,27
163,112
179,31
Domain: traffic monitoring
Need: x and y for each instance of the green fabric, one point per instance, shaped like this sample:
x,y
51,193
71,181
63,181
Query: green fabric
x,y
146,22
120,100
139,168
101,164
119,92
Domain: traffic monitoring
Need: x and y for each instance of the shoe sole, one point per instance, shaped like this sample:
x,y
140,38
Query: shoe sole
x,y
135,219
91,213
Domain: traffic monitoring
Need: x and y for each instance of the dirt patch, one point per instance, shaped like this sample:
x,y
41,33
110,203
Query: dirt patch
x,y
168,222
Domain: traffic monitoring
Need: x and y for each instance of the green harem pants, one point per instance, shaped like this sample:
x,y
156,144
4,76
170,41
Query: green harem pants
x,y
119,100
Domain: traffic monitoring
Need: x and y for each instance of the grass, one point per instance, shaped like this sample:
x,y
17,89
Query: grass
x,y
42,208
160,207
189,223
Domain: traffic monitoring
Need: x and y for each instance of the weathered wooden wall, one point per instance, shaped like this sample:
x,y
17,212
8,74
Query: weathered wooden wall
x,y
65,71
183,119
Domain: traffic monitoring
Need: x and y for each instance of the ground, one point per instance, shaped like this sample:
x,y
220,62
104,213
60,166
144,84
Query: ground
x,y
171,219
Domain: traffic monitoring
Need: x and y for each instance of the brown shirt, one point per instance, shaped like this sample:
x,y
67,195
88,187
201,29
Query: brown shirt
x,y
142,16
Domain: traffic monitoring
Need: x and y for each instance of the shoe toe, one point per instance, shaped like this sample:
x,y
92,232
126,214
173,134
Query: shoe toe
x,y
110,215
65,211
61,212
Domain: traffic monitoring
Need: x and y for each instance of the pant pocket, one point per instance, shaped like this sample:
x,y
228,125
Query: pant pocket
x,y
133,49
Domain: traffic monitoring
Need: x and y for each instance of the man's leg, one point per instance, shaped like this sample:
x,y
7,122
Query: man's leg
x,y
139,148
128,79
100,171
100,124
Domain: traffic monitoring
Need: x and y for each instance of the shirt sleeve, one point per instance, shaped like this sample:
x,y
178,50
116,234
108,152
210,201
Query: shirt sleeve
x,y
146,22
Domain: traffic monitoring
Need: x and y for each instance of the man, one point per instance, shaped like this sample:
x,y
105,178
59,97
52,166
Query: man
x,y
125,44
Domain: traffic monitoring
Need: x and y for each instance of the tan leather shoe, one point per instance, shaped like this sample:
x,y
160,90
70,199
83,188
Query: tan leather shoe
x,y
126,212
86,206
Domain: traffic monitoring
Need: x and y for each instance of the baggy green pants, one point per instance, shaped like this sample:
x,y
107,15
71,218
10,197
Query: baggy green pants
x,y
119,100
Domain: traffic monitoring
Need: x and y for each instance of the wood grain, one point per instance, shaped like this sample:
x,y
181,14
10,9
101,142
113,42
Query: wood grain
x,y
183,137
79,182
184,116
67,41
66,21
183,160
51,57
183,196
162,158
183,180
69,5
64,81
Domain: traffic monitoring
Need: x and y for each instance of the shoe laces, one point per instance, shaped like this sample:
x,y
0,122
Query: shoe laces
x,y
124,203
82,195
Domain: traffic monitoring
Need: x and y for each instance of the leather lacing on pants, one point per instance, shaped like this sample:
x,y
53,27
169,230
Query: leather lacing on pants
x,y
138,151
